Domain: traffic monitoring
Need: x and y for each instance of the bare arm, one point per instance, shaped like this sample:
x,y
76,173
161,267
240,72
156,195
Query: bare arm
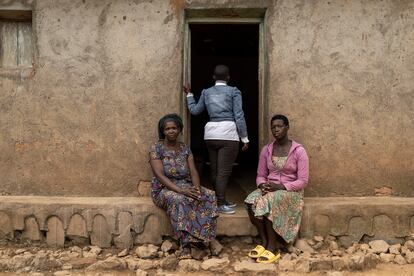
x,y
195,178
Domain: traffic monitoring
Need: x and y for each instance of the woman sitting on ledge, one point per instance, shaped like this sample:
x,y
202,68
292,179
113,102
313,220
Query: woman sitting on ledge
x,y
192,209
275,208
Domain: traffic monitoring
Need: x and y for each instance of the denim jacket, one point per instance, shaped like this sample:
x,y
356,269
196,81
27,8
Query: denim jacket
x,y
223,103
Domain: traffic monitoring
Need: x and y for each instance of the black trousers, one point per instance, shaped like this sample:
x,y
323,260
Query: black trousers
x,y
222,155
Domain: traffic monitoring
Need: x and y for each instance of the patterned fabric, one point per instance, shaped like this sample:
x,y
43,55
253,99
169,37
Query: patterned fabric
x,y
191,220
282,208
279,161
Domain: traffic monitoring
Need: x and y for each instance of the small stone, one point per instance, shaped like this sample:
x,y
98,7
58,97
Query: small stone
x,y
235,248
292,249
337,253
318,245
167,245
333,245
123,253
169,263
361,262
20,251
246,239
409,244
80,263
140,272
318,238
143,264
95,249
287,264
302,266
404,250
67,267
387,258
379,246
339,263
395,249
364,247
400,260
303,246
110,263
215,247
198,253
189,265
334,273
147,251
311,242
320,264
76,249
215,264
409,257
249,266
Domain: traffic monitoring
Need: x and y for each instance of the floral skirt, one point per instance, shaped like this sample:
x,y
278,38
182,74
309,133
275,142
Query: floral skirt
x,y
282,208
191,220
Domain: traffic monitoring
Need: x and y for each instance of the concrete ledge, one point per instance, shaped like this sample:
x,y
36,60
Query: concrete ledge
x,y
124,221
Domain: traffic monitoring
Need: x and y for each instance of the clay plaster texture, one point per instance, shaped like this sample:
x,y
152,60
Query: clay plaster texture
x,y
80,121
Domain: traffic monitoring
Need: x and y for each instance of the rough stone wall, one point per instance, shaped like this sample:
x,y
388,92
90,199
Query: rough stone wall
x,y
343,71
80,121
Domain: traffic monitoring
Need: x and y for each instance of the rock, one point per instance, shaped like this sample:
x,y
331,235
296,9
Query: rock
x,y
250,266
20,251
404,250
339,263
303,246
409,257
318,245
215,247
198,253
169,263
42,262
235,248
189,265
302,266
395,249
123,253
400,260
215,264
318,238
95,249
110,263
361,262
133,264
292,249
147,251
61,273
67,267
387,258
286,264
337,253
140,272
379,246
80,263
167,246
311,242
320,264
352,249
333,245
410,245
247,239
364,247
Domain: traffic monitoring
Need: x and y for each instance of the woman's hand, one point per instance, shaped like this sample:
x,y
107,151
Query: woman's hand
x,y
187,88
191,192
274,186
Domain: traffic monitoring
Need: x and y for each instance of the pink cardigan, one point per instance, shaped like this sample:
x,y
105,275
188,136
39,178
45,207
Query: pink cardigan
x,y
294,175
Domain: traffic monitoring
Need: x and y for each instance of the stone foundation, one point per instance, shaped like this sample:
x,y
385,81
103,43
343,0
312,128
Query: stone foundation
x,y
125,221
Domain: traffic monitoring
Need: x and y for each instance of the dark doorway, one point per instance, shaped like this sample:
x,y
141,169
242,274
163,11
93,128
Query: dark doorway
x,y
237,46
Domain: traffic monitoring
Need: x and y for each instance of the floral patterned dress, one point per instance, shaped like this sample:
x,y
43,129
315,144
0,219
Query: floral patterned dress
x,y
192,220
282,208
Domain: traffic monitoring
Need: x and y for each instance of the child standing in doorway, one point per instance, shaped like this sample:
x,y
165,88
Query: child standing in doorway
x,y
227,126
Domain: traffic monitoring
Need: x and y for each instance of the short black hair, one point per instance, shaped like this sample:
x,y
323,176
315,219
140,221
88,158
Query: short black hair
x,y
221,72
280,117
169,118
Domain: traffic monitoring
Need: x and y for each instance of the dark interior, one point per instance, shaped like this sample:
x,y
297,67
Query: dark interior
x,y
237,46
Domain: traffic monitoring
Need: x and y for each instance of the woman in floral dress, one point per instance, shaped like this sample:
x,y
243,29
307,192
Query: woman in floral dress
x,y
275,208
192,209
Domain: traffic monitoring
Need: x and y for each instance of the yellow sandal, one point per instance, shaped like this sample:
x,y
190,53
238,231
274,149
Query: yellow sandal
x,y
269,257
256,252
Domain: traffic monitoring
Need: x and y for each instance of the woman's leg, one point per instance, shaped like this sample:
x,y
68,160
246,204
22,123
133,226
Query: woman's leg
x,y
260,225
273,238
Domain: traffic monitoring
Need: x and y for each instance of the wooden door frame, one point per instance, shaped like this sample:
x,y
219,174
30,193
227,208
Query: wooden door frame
x,y
262,67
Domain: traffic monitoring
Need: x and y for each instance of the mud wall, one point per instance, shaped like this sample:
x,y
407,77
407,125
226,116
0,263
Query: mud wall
x,y
80,120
